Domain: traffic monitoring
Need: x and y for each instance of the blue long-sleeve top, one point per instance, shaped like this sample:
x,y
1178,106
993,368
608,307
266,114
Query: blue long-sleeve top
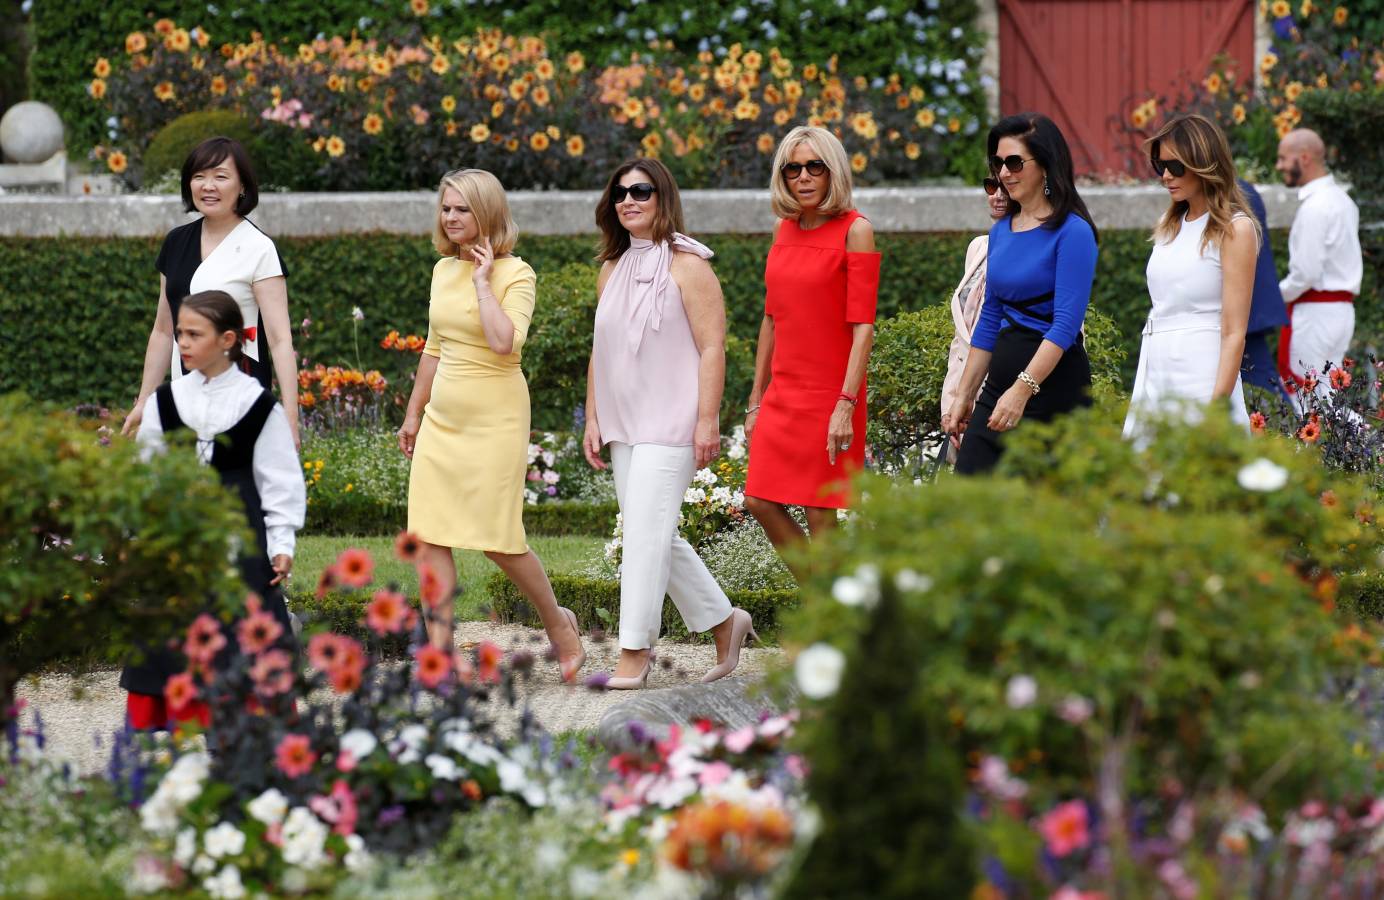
x,y
1022,266
1266,309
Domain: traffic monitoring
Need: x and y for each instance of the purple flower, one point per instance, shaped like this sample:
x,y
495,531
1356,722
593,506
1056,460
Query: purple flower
x,y
389,815
552,490
598,681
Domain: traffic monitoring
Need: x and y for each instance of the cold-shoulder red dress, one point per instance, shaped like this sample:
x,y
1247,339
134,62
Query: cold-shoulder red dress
x,y
815,291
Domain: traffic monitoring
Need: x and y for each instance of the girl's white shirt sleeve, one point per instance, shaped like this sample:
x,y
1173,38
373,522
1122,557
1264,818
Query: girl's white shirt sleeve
x,y
279,480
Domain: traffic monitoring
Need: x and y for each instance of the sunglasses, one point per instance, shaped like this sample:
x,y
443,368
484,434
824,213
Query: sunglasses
x,y
1169,165
814,168
991,186
1015,163
640,192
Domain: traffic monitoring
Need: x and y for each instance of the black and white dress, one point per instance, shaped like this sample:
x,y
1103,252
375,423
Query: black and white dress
x,y
243,434
243,257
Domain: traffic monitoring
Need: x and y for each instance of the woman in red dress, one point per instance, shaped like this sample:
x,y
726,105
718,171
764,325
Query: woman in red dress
x,y
806,415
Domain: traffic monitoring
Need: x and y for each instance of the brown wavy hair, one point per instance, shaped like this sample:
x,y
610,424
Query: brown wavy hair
x,y
615,240
1200,145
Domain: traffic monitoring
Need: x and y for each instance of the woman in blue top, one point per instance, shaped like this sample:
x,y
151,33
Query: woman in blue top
x,y
1027,343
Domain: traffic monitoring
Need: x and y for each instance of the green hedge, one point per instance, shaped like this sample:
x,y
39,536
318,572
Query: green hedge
x,y
78,311
584,596
349,516
69,36
344,613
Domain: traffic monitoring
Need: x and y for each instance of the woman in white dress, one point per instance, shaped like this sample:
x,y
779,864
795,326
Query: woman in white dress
x,y
1201,278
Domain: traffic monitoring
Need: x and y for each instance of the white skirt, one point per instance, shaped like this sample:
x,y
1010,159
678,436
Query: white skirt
x,y
1177,374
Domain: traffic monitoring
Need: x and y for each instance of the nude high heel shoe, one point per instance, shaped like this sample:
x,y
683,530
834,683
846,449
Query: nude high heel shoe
x,y
569,668
741,630
632,683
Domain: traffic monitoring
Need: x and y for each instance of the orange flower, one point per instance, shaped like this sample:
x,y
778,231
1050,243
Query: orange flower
x,y
488,657
164,27
499,63
575,145
419,114
511,144
912,150
102,68
179,691
1340,379
117,162
433,665
545,69
746,109
1292,91
859,162
448,104
307,400
354,567
380,66
336,83
652,143
810,72
953,125
179,41
471,790
1214,82
218,85
419,7
517,89
925,118
539,141
1309,433
480,132
575,62
1328,499
1237,113
765,143
1257,422
164,91
540,96
373,124
97,88
135,42
1339,16
335,148
440,65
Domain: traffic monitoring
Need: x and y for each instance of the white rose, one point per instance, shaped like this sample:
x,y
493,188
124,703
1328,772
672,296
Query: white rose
x,y
1262,475
359,743
224,840
1021,691
185,847
694,495
268,807
303,837
158,815
818,670
442,767
736,451
225,885
203,865
860,589
357,858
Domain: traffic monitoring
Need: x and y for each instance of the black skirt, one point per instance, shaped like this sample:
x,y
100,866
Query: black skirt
x,y
1066,388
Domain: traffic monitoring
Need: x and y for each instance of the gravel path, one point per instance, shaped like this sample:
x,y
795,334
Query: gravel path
x,y
80,713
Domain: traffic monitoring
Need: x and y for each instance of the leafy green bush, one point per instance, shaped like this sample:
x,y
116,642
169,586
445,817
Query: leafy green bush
x,y
170,147
1175,602
587,596
102,550
343,612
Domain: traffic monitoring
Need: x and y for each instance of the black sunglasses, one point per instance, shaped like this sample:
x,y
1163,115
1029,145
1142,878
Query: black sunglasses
x,y
814,168
991,185
1171,165
1014,163
640,192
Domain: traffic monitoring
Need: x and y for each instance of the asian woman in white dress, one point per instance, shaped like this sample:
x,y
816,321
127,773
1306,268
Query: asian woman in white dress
x,y
1201,278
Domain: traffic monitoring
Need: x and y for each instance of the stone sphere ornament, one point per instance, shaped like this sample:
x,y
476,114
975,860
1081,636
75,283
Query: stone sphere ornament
x,y
30,132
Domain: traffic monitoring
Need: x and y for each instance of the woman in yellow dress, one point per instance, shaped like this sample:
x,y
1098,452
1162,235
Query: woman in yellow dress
x,y
467,425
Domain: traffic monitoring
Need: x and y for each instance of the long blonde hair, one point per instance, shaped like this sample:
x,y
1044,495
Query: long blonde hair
x,y
1200,145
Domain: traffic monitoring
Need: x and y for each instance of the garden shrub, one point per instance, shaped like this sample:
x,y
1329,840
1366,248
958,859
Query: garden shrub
x,y
343,612
1184,592
52,314
171,146
101,549
585,596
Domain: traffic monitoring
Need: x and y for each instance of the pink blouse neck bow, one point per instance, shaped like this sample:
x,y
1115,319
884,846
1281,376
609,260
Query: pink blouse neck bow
x,y
648,268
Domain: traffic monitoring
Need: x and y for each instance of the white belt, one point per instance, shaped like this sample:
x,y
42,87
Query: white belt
x,y
1202,321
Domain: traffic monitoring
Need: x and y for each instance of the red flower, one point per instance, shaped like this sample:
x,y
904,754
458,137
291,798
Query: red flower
x,y
272,673
1340,379
294,755
1347,363
326,582
324,651
488,657
406,546
1257,421
354,567
1309,433
204,640
258,632
471,790
1309,385
430,589
1064,828
387,612
433,665
350,666
179,692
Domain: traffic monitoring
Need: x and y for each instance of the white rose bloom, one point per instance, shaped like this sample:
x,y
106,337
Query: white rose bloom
x,y
268,807
158,815
303,837
357,858
512,777
694,495
818,670
185,847
852,590
1021,691
736,451
721,496
224,840
1262,475
359,743
443,768
704,476
225,885
203,865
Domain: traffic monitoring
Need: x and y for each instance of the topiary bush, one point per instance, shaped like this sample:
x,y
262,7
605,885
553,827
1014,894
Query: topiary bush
x,y
170,147
101,549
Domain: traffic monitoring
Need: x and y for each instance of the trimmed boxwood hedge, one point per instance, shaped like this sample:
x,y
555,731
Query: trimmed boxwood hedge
x,y
344,613
584,596
78,311
355,514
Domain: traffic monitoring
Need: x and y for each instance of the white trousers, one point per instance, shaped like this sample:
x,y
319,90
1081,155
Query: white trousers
x,y
650,481
1321,335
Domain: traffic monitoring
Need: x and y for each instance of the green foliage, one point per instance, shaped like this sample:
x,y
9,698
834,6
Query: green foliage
x,y
1192,613
1351,122
585,596
889,786
101,550
177,139
343,612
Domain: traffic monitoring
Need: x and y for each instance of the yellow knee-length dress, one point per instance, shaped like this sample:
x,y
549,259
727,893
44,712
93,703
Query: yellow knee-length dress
x,y
466,483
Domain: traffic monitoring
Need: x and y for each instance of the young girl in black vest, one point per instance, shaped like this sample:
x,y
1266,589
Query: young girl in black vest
x,y
242,433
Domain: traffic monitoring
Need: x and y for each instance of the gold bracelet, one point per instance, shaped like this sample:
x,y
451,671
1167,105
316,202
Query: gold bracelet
x,y
1031,382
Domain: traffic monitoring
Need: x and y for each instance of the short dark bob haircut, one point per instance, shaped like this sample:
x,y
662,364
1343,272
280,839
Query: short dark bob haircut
x,y
213,152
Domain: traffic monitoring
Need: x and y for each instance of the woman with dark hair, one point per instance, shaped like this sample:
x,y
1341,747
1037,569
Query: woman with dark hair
x,y
1201,278
223,251
1027,345
242,434
653,394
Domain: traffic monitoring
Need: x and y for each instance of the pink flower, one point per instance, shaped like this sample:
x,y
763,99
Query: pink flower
x,y
740,740
488,656
387,612
1065,828
294,755
258,632
272,673
350,666
324,651
714,773
179,692
346,805
433,665
354,567
204,640
274,834
795,766
345,761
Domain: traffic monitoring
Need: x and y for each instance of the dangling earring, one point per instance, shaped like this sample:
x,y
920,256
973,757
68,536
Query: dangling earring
x,y
226,353
1047,191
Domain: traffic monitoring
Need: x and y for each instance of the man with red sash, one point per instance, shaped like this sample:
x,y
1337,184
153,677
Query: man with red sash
x,y
1324,263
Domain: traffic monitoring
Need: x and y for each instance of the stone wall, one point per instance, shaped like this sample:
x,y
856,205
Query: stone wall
x,y
913,209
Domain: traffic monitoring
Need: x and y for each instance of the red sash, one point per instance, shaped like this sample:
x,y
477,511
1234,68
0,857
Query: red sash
x,y
1285,337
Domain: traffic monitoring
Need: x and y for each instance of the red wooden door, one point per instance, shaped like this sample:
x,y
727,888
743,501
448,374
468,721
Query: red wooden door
x,y
1082,62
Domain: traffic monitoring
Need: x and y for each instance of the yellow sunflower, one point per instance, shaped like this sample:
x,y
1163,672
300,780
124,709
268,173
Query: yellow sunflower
x,y
97,88
439,65
449,104
575,145
373,124
859,162
912,150
480,132
925,118
539,141
335,146
117,162
102,69
164,91
575,63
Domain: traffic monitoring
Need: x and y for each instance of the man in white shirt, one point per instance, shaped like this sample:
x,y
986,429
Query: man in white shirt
x,y
1324,264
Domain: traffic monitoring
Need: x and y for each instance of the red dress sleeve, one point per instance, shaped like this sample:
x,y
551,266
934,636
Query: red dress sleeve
x,y
862,286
